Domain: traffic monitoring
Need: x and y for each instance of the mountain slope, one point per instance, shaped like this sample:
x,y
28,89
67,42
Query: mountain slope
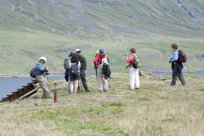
x,y
32,28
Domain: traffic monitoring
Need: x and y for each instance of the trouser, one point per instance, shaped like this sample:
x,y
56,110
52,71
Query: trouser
x,y
44,85
177,72
102,82
83,79
134,78
74,86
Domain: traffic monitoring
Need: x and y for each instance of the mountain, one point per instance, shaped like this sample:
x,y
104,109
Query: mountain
x,y
52,28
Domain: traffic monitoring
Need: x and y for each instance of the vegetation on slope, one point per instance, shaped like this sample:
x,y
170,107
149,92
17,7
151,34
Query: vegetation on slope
x,y
52,28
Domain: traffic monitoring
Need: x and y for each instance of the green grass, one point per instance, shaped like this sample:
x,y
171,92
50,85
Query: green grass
x,y
155,109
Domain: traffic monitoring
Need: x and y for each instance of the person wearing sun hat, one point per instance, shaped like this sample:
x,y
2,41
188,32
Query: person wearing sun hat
x,y
41,76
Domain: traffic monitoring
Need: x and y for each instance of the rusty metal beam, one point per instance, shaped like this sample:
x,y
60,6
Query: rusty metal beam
x,y
21,92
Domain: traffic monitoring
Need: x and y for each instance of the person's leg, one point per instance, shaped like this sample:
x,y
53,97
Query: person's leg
x,y
132,78
83,80
137,78
68,83
71,87
105,84
45,86
174,75
76,84
181,78
100,79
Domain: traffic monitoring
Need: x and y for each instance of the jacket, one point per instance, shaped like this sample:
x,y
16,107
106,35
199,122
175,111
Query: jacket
x,y
175,56
40,69
82,60
131,60
98,60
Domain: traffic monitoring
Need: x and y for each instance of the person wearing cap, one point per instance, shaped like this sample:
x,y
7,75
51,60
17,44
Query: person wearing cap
x,y
41,76
99,60
82,60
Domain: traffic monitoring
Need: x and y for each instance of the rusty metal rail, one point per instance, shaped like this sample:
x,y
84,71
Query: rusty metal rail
x,y
21,92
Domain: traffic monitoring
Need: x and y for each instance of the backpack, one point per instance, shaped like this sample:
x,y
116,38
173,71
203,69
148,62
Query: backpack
x,y
106,70
137,62
33,73
182,57
67,63
74,70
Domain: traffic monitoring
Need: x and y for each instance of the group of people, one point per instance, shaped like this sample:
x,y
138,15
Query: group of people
x,y
75,70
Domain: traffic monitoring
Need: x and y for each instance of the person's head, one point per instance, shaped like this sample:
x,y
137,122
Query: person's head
x,y
174,46
42,59
75,58
71,54
101,51
78,51
132,50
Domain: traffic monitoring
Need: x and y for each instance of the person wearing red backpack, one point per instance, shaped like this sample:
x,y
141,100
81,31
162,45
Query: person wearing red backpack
x,y
133,71
177,66
99,60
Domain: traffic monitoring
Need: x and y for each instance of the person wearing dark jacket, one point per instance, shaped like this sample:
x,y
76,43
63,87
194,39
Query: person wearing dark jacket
x,y
176,66
82,60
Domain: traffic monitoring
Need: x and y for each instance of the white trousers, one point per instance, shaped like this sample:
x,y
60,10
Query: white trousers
x,y
102,82
134,78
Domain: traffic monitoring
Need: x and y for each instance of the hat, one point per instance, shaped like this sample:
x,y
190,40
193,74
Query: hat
x,y
78,50
101,50
43,58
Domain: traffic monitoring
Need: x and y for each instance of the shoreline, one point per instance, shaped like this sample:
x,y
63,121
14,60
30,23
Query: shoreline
x,y
158,73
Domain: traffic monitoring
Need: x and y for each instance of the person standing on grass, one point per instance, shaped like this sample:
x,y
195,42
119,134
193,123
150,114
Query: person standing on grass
x,y
41,76
99,60
74,73
176,66
133,70
67,67
82,60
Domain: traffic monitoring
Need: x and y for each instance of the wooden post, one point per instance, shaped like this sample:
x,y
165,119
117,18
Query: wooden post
x,y
55,96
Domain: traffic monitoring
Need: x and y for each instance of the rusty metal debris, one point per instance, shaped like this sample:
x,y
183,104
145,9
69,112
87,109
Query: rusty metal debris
x,y
24,92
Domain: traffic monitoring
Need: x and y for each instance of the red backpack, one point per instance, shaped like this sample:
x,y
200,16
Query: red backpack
x,y
182,57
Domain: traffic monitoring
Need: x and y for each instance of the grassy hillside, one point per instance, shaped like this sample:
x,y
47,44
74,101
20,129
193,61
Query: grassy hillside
x,y
155,110
52,28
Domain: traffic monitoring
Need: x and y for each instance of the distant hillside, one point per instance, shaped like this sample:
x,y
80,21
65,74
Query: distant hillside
x,y
32,28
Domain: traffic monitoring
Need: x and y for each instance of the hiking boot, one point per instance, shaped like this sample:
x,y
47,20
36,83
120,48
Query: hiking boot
x,y
87,90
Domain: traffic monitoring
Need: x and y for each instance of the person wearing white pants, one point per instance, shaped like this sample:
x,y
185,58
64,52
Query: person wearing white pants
x,y
134,78
133,72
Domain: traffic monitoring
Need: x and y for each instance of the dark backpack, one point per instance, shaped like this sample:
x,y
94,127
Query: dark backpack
x,y
182,57
74,70
106,70
33,73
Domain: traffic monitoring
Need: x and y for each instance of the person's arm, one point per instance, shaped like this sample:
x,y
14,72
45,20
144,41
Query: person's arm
x,y
175,56
130,59
40,67
85,65
96,62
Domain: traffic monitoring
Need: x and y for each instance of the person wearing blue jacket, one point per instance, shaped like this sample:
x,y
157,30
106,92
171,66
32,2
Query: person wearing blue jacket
x,y
41,76
176,66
